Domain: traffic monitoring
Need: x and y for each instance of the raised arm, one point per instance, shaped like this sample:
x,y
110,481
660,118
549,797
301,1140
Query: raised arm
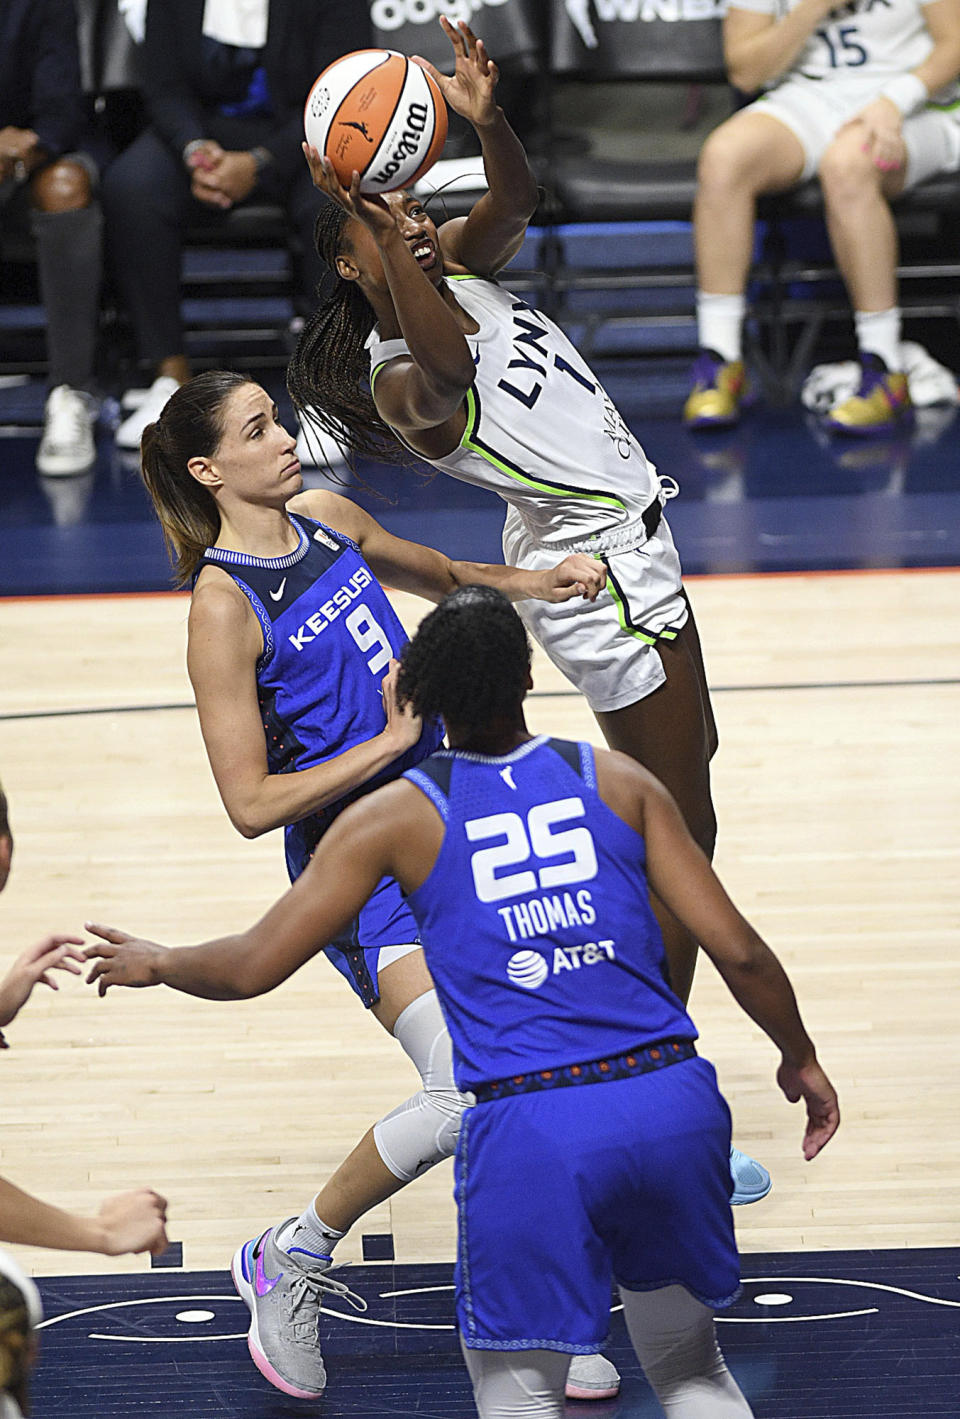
x,y
758,47
493,232
683,879
409,566
224,645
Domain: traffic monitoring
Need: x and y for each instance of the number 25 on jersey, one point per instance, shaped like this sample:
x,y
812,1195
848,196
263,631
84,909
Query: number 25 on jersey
x,y
563,855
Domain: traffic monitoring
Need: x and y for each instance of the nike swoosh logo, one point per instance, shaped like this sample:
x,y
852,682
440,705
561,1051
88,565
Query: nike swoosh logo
x,y
262,1283
276,595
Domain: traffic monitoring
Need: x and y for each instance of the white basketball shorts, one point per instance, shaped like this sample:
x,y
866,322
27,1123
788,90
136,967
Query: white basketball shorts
x,y
607,648
814,110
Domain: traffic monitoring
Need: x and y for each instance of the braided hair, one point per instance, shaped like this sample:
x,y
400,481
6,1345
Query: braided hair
x,y
469,663
328,376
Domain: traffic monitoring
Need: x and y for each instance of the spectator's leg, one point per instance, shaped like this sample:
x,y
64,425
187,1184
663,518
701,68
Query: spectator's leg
x,y
68,226
146,198
864,240
750,154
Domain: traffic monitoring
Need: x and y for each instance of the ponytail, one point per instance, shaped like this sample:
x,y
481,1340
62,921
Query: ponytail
x,y
190,426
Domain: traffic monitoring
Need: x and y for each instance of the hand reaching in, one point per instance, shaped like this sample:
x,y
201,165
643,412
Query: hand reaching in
x,y
576,575
470,90
122,959
54,953
405,726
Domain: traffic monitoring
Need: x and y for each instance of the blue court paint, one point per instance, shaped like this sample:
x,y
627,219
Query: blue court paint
x,y
775,493
172,1257
851,1335
377,1246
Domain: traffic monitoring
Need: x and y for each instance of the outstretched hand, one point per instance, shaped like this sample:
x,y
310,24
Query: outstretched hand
x,y
122,959
823,1112
54,953
370,208
469,91
405,726
576,575
134,1222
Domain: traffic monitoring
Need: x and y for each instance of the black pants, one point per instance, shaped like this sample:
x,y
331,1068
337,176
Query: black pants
x,y
149,208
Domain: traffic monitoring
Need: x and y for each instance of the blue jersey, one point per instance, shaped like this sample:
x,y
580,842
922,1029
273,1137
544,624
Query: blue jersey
x,y
536,918
329,633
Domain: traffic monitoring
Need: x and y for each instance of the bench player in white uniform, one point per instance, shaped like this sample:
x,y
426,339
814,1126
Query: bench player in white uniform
x,y
593,1109
489,390
863,95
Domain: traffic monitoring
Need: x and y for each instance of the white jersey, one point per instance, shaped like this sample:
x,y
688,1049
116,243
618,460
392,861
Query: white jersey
x,y
541,431
863,41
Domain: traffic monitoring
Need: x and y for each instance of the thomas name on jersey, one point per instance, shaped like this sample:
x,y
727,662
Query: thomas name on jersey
x,y
541,915
328,611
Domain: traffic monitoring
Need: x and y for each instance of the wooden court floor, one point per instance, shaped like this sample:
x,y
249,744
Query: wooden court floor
x,y
838,701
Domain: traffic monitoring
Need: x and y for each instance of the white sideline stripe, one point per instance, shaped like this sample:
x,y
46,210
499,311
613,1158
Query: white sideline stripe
x,y
119,1305
164,1339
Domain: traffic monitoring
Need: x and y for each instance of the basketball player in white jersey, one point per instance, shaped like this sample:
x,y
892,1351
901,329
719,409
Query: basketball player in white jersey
x,y
863,95
419,352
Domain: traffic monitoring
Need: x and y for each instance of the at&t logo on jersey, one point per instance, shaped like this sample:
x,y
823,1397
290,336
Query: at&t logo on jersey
x,y
530,969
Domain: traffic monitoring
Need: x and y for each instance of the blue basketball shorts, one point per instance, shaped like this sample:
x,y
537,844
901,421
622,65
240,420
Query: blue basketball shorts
x,y
560,1193
384,921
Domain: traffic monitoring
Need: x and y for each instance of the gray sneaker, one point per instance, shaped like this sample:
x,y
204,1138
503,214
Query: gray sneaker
x,y
592,1377
284,1295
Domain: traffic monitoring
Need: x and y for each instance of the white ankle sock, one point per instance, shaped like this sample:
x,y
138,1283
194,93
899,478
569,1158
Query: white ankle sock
x,y
878,333
309,1234
720,323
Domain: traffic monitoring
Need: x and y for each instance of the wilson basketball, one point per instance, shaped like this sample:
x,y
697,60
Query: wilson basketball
x,y
376,113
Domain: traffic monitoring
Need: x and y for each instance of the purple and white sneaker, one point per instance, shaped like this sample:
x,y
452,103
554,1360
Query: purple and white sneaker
x,y
284,1294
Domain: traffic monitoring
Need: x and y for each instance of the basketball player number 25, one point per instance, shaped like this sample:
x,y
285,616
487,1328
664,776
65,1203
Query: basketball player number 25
x,y
535,838
368,635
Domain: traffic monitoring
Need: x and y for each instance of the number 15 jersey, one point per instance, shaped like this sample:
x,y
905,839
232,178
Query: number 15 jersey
x,y
536,919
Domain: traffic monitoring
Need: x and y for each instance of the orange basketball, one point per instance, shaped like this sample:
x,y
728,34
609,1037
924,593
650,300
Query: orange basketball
x,y
376,113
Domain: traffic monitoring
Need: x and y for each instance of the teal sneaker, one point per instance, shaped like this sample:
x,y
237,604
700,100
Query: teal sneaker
x,y
751,1181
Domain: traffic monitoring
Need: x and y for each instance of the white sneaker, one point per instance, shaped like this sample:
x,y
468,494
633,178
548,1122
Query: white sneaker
x,y
66,445
592,1377
128,434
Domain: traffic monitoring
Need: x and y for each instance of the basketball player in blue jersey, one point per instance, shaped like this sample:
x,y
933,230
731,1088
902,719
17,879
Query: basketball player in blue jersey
x,y
419,350
291,651
527,862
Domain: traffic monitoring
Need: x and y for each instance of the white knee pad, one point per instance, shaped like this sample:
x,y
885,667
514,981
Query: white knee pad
x,y
676,1343
519,1384
425,1128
